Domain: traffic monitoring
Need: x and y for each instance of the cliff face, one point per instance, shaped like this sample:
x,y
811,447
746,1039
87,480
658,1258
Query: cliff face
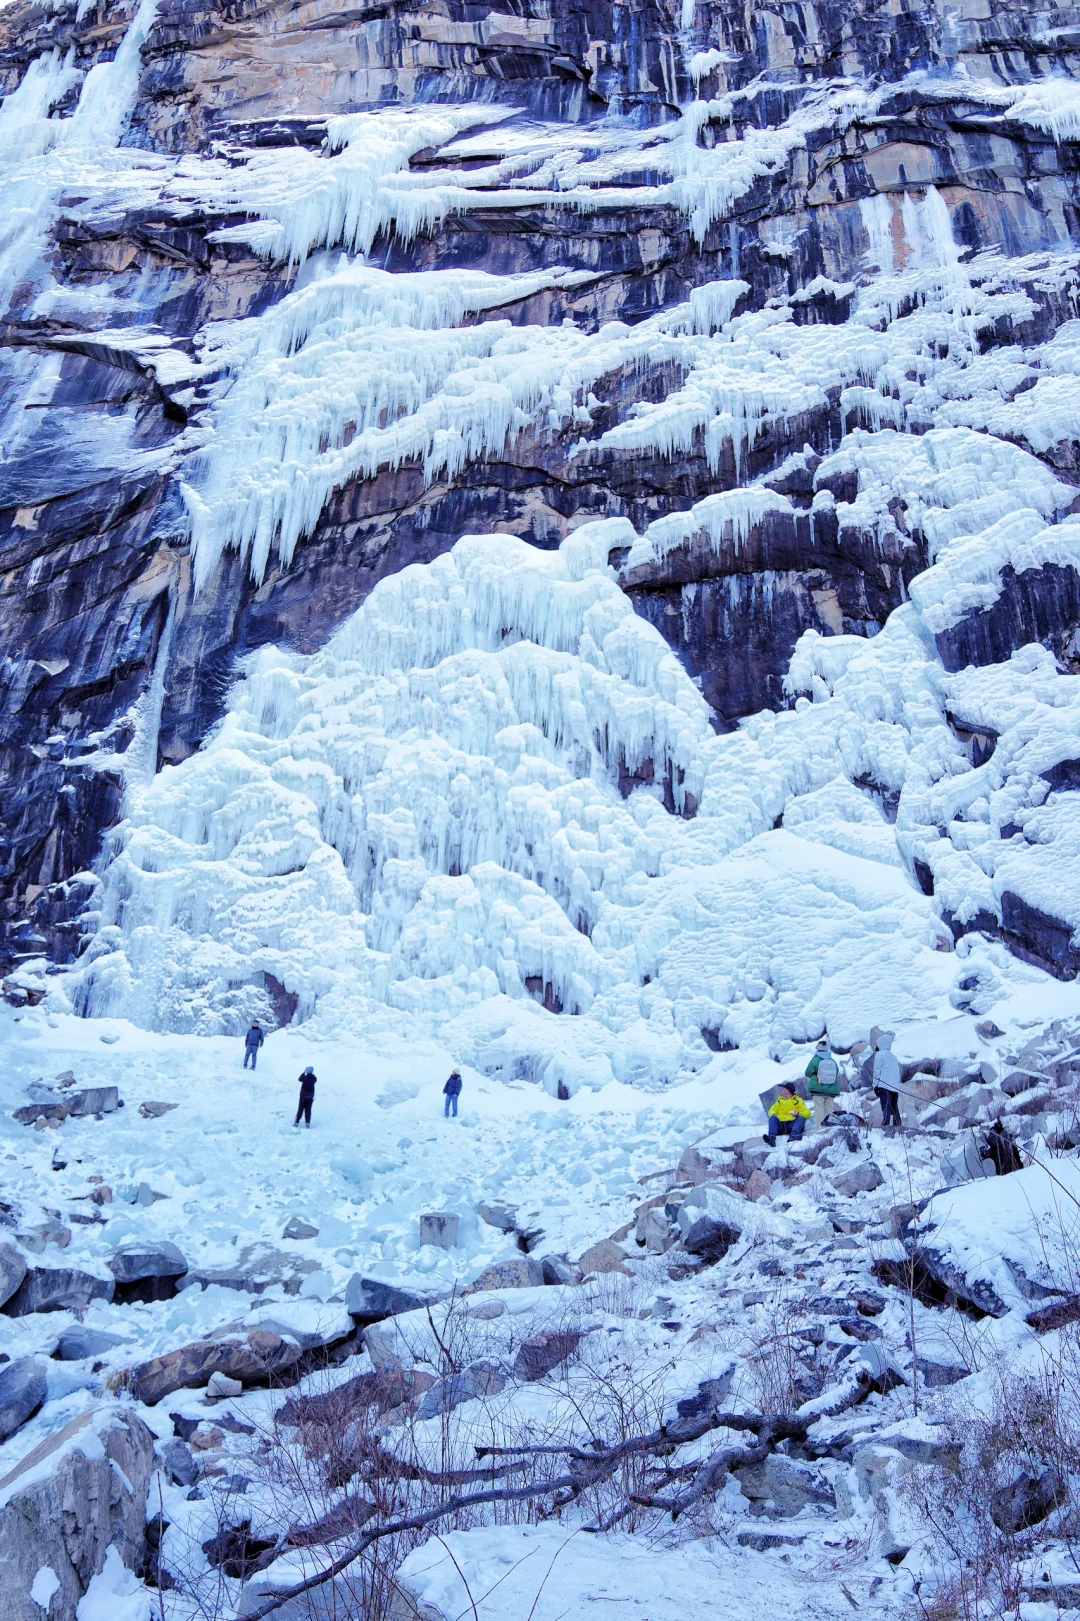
x,y
175,175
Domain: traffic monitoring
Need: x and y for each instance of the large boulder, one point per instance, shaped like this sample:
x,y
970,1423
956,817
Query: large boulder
x,y
710,1237
22,1391
538,1356
79,1342
12,1271
369,1300
481,1378
784,1486
147,1271
862,1177
526,1272
94,1100
57,1289
85,1493
256,1268
261,1355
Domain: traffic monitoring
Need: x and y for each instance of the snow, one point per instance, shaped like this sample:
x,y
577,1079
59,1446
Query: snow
x,y
44,1585
115,1594
544,1571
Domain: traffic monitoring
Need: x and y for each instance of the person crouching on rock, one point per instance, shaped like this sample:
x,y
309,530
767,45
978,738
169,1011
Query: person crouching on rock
x,y
307,1096
452,1089
787,1117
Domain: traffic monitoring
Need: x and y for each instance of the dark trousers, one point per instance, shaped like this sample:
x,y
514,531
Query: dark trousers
x,y
304,1108
451,1098
786,1128
890,1106
252,1053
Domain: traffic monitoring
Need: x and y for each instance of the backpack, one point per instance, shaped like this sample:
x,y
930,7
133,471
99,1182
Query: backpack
x,y
827,1072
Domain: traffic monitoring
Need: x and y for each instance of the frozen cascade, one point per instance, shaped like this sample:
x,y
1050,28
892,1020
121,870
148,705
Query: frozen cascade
x,y
421,826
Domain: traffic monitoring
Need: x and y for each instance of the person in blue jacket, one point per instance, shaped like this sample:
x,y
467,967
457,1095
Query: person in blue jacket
x,y
252,1042
452,1089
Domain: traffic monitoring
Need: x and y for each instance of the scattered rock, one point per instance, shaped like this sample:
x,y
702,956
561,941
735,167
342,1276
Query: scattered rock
x,y
57,1289
557,1269
787,1485
298,1229
51,1231
863,1177
31,1113
79,1342
440,1228
758,1186
656,1230
12,1271
988,1030
938,1375
259,1356
762,1541
219,1386
179,1464
1028,1500
146,1272
606,1256
702,1163
370,1300
151,1110
480,1378
94,1100
256,1268
710,1238
22,1391
538,1356
499,1216
69,1515
527,1272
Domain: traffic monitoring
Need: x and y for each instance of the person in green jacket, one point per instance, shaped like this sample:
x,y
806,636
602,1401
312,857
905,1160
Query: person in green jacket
x,y
823,1082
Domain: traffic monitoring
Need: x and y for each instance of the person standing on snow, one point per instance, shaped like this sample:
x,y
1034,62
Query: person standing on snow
x,y
823,1082
886,1074
307,1096
788,1116
452,1089
252,1042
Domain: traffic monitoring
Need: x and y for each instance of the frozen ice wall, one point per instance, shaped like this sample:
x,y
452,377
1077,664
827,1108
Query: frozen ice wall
x,y
493,807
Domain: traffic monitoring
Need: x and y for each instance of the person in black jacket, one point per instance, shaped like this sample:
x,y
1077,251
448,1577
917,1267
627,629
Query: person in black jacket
x,y
307,1096
252,1042
452,1089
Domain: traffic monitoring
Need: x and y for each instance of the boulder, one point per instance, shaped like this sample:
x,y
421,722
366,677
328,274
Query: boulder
x,y
256,1268
862,1177
260,1356
67,1517
219,1386
440,1228
526,1272
31,1113
22,1391
758,1186
94,1100
656,1230
710,1238
1028,1500
557,1269
606,1256
297,1229
499,1216
78,1343
50,1231
12,1271
543,1352
703,1163
152,1110
783,1483
179,1464
480,1378
57,1289
369,1300
147,1271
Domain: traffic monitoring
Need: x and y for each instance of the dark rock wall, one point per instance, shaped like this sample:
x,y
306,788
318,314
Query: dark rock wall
x,y
93,546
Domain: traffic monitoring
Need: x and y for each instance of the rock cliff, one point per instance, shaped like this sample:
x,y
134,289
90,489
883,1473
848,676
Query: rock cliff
x,y
221,428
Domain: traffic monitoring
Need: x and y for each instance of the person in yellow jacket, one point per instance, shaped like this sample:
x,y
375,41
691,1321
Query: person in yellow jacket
x,y
787,1117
